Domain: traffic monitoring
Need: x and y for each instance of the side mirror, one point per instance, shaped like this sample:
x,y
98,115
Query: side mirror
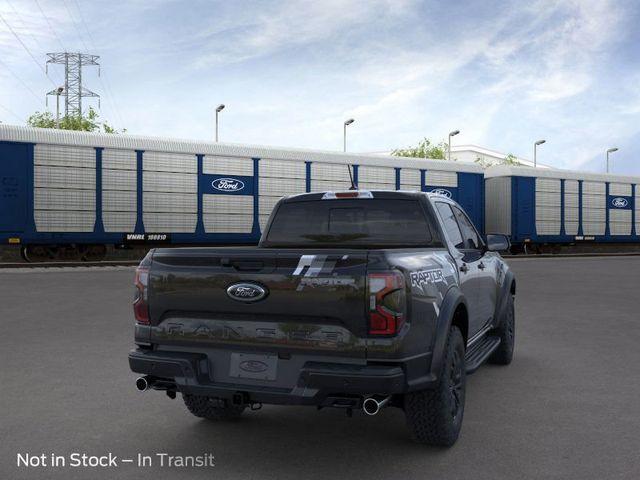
x,y
498,243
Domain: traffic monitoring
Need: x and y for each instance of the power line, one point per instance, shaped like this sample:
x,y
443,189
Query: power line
x,y
27,49
24,25
75,26
21,81
50,26
11,112
106,84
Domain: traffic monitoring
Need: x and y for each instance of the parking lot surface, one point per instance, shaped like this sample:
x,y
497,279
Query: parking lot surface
x,y
567,407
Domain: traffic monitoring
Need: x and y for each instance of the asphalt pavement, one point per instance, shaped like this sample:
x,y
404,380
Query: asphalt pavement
x,y
567,407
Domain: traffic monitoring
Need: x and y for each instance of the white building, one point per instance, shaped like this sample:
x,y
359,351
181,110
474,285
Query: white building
x,y
485,157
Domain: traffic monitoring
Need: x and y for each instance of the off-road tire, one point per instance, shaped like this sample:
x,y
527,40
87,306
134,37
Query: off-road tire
x,y
507,333
211,408
434,416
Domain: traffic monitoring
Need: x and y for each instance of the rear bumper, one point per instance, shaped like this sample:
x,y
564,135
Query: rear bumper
x,y
318,383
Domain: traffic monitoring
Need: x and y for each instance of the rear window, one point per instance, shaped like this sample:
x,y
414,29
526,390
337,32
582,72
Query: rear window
x,y
350,222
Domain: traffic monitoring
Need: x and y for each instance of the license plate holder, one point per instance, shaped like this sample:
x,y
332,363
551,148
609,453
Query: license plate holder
x,y
253,366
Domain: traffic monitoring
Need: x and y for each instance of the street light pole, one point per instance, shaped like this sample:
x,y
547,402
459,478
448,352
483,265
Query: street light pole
x,y
451,134
535,152
344,133
59,90
218,110
611,150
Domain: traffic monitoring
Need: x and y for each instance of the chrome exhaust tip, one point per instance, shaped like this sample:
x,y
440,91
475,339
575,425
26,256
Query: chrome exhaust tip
x,y
142,384
372,406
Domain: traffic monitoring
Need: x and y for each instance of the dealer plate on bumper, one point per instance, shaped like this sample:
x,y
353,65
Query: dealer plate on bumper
x,y
257,367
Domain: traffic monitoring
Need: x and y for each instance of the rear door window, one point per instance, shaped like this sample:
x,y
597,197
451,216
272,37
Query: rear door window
x,y
450,224
469,234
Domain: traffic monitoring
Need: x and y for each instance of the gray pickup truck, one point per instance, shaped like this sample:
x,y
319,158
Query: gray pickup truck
x,y
356,300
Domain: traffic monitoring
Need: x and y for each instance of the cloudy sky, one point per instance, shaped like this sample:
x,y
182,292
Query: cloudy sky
x,y
290,71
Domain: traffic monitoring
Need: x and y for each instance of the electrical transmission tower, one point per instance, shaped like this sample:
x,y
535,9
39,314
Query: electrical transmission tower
x,y
73,91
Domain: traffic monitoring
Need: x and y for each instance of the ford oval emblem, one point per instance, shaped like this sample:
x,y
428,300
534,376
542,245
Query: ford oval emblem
x,y
253,366
247,292
228,184
442,191
619,202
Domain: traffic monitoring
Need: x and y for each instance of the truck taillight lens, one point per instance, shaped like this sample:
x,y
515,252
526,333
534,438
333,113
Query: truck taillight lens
x,y
140,300
387,303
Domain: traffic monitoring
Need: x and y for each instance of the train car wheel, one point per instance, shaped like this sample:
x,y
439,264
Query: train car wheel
x,y
93,253
37,253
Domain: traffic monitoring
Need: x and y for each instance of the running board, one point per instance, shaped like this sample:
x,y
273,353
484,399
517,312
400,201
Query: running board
x,y
480,351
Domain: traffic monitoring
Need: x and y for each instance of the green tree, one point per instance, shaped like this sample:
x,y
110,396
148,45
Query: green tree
x,y
86,123
424,149
510,159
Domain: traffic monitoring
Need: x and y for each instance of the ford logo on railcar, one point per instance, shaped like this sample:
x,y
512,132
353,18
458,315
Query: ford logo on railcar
x,y
228,184
619,202
253,366
247,292
441,191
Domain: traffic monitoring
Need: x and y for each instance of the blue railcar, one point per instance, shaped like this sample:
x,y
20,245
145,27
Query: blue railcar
x,y
82,191
550,206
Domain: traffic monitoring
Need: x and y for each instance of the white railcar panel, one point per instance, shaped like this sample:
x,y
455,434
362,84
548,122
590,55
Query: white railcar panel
x,y
498,205
329,185
64,221
155,222
227,204
329,171
216,165
571,186
170,202
119,159
64,156
619,222
282,169
571,214
124,180
571,200
593,228
594,215
438,178
598,202
548,199
547,227
215,223
119,221
594,188
64,199
169,162
410,179
169,182
376,186
548,213
377,175
115,201
282,186
547,185
64,177
571,228
620,189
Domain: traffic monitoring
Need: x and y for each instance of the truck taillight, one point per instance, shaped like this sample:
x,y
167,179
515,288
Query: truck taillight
x,y
140,301
387,303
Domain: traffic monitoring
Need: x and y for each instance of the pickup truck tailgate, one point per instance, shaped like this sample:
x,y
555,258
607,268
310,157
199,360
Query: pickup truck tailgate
x,y
314,301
